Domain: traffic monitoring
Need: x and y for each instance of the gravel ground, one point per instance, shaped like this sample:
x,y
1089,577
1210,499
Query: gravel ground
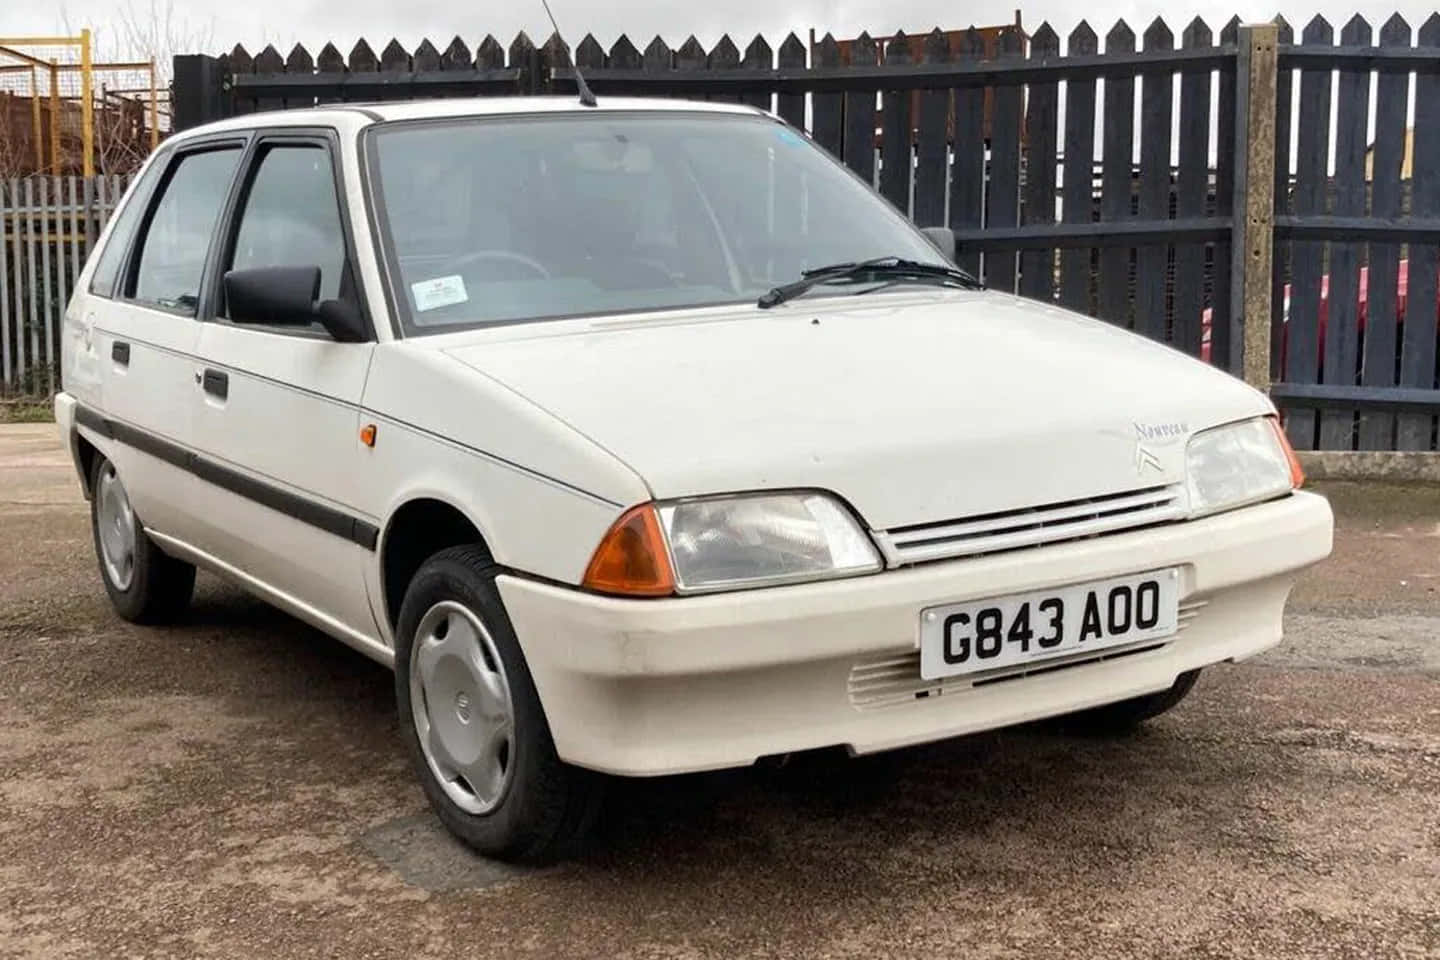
x,y
234,787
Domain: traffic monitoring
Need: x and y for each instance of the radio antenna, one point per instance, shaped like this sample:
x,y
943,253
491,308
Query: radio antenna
x,y
587,99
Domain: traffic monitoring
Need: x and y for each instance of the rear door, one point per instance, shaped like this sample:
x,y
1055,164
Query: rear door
x,y
278,410
141,316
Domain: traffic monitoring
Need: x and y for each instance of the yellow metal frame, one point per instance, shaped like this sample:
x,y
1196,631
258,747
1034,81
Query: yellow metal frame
x,y
87,85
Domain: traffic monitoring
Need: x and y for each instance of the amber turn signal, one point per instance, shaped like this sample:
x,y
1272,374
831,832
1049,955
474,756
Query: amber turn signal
x,y
367,434
1297,472
631,559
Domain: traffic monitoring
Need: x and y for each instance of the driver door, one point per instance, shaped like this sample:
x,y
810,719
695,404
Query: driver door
x,y
278,407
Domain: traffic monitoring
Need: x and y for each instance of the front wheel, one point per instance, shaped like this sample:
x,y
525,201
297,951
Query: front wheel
x,y
145,585
473,722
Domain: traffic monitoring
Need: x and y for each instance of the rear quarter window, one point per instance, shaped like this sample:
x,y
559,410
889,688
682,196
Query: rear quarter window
x,y
132,209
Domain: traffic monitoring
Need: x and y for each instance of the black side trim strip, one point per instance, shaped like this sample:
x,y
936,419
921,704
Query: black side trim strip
x,y
365,533
86,417
293,505
283,501
146,442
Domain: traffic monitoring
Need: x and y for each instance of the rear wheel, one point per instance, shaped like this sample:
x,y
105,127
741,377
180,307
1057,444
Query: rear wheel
x,y
474,724
145,585
1126,715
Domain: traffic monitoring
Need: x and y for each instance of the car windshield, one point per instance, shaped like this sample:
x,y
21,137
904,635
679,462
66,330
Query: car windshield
x,y
494,220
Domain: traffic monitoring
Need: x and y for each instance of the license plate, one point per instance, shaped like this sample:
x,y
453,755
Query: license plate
x,y
1026,628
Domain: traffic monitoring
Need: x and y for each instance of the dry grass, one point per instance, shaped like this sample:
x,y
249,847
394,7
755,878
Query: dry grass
x,y
26,410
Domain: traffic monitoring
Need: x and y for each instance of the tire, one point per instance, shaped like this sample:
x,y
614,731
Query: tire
x,y
1125,715
445,680
148,586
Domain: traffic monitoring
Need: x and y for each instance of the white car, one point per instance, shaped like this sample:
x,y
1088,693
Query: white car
x,y
538,403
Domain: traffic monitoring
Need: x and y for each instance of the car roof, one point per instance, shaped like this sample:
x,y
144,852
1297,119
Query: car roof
x,y
364,114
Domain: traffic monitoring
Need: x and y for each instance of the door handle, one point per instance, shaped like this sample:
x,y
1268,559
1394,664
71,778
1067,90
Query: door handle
x,y
216,383
120,352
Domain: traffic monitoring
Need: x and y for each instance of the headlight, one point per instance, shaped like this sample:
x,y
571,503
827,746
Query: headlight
x,y
1239,464
763,539
730,543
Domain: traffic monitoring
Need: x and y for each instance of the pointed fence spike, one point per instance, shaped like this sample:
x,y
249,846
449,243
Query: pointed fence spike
x,y
1158,36
489,55
331,60
937,46
589,54
1083,36
362,58
269,61
394,57
1318,30
426,57
658,55
863,50
898,49
690,56
456,56
1356,32
724,54
623,55
1394,29
758,54
970,43
1082,41
556,51
792,46
1197,34
299,60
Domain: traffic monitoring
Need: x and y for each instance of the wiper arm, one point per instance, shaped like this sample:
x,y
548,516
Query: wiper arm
x,y
882,268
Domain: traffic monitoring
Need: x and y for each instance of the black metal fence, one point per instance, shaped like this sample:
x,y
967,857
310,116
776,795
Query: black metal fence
x,y
1076,179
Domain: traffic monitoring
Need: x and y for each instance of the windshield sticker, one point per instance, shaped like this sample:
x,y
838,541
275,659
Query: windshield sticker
x,y
790,137
439,292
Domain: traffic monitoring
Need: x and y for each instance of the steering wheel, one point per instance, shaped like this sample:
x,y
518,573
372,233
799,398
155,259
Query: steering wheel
x,y
477,256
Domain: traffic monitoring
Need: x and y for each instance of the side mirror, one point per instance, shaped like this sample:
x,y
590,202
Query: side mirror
x,y
274,296
943,238
285,297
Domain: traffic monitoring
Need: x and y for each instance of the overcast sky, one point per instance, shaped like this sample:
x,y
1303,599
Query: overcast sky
x,y
313,22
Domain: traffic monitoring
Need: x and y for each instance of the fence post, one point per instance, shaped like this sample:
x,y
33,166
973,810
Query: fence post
x,y
198,93
1253,224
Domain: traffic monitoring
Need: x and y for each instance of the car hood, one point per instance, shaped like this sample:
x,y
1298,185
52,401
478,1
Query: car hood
x,y
914,407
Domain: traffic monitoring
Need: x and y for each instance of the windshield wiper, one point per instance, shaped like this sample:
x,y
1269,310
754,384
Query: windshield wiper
x,y
887,270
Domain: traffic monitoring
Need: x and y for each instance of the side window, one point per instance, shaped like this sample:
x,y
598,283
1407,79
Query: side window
x,y
172,253
291,217
107,267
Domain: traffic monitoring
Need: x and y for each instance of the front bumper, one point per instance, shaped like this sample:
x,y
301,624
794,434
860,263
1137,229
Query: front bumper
x,y
65,426
649,687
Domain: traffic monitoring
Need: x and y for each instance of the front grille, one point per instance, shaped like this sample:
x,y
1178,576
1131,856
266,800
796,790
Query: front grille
x,y
1031,526
893,679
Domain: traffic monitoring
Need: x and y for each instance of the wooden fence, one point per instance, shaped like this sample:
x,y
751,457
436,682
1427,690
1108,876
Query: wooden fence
x,y
47,227
1189,219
